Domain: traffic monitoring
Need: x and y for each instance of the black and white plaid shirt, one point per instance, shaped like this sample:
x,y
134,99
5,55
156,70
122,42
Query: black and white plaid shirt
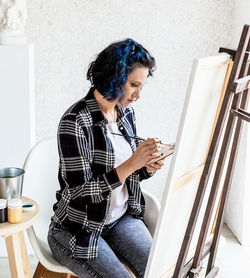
x,y
87,176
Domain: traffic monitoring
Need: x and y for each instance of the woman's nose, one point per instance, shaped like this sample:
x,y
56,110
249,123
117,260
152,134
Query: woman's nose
x,y
137,94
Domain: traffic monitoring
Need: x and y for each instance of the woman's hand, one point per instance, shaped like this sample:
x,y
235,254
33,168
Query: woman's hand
x,y
141,157
144,153
155,166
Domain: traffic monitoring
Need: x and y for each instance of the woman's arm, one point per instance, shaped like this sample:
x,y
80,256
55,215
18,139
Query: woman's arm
x,y
75,163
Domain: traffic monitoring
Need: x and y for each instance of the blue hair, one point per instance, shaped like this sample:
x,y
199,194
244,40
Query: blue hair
x,y
109,71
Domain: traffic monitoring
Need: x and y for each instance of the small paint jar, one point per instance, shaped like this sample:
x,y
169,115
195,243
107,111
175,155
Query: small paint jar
x,y
3,210
15,213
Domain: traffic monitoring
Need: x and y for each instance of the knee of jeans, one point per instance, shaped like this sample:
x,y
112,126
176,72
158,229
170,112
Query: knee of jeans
x,y
61,238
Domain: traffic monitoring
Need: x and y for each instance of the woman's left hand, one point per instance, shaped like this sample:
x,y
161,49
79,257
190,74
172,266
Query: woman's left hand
x,y
155,166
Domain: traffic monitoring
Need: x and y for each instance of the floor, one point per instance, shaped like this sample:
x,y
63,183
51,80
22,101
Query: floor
x,y
232,259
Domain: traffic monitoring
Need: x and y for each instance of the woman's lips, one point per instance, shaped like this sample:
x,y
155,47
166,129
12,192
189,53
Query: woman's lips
x,y
130,100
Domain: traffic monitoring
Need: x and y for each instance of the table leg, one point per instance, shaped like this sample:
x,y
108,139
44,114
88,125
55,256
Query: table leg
x,y
18,257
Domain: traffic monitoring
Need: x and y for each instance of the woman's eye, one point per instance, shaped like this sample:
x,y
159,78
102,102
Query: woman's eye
x,y
134,85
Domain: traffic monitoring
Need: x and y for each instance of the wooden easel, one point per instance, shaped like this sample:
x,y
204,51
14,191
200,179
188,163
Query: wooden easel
x,y
231,117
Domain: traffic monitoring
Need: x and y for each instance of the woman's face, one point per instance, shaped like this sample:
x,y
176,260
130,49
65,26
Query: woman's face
x,y
133,85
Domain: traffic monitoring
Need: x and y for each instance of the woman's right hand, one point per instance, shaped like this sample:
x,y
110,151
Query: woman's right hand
x,y
143,153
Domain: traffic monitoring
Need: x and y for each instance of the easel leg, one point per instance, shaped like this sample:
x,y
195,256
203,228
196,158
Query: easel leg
x,y
18,257
213,273
227,183
237,102
239,69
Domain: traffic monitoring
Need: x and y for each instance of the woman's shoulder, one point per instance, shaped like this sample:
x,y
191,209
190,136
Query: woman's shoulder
x,y
79,108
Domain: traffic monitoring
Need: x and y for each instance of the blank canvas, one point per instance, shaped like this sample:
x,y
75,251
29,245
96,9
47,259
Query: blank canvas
x,y
193,138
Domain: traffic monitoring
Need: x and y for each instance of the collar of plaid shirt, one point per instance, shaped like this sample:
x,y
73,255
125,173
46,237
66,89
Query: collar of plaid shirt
x,y
125,121
95,111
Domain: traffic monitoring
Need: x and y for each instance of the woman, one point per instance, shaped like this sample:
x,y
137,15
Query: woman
x,y
98,218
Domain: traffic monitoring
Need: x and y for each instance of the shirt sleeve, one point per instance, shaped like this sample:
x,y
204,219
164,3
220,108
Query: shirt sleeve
x,y
75,164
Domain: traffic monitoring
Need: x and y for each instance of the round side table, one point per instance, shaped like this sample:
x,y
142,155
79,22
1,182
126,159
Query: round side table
x,y
15,244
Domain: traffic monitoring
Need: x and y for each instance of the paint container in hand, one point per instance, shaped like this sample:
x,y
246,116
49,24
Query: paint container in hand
x,y
15,212
3,210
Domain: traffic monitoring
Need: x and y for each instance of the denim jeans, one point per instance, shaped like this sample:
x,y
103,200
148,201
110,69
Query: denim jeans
x,y
126,241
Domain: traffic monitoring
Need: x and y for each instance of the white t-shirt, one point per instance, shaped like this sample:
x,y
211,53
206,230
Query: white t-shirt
x,y
123,151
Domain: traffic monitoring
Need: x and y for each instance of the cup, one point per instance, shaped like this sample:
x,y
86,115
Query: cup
x,y
11,183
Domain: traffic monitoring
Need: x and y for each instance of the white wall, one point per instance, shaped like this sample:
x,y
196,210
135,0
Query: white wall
x,y
16,107
241,17
16,104
68,34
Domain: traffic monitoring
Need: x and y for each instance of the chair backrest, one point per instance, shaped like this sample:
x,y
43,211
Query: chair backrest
x,y
41,182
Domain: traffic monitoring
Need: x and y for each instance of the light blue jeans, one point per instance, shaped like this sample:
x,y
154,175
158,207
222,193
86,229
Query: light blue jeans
x,y
127,241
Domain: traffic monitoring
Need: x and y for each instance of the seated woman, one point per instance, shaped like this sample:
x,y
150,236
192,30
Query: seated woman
x,y
98,217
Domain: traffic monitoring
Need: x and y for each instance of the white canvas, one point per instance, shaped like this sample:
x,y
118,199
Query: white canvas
x,y
193,138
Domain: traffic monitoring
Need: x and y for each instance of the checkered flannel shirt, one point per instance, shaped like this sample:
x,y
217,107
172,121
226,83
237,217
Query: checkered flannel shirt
x,y
87,176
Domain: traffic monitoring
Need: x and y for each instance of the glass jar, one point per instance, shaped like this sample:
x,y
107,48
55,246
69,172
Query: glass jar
x,y
15,214
3,210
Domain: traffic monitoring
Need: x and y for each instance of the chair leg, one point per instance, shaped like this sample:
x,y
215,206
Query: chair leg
x,y
130,272
39,271
43,272
66,275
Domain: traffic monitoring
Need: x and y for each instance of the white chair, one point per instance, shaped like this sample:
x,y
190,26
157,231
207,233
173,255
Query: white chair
x,y
40,184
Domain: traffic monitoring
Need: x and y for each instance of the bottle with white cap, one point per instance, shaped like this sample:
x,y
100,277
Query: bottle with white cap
x,y
15,214
3,210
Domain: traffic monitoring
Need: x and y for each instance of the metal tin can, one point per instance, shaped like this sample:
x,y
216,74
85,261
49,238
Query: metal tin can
x,y
11,183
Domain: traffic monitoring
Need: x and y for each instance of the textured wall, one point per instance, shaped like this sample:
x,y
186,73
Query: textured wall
x,y
68,34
